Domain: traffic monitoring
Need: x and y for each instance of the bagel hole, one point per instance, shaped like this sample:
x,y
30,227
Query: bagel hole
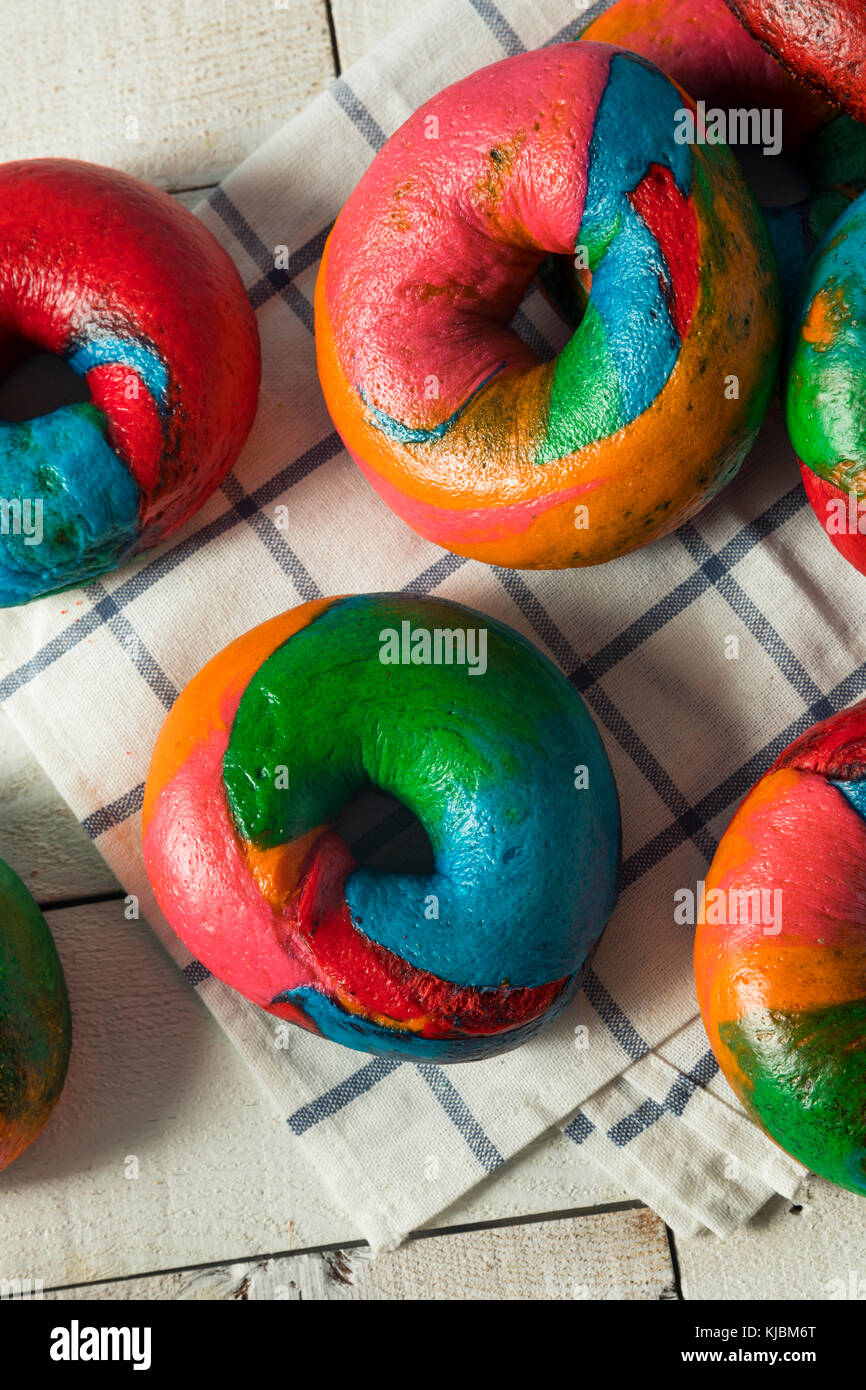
x,y
566,291
38,384
552,307
383,834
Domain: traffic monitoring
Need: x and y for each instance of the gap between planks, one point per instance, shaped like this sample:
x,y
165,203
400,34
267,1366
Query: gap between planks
x,y
616,1250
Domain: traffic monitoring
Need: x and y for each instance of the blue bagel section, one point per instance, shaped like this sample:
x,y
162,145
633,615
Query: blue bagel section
x,y
108,349
61,468
90,502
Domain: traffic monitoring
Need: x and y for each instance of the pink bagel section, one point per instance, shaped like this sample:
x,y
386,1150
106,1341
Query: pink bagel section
x,y
450,241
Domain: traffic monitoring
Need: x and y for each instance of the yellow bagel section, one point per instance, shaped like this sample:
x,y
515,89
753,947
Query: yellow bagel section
x,y
657,397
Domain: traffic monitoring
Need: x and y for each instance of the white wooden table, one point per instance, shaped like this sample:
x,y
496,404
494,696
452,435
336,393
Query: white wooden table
x,y
163,1174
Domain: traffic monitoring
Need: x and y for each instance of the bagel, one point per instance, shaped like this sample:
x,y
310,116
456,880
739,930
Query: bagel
x,y
780,960
822,42
35,1028
499,760
824,406
139,299
568,152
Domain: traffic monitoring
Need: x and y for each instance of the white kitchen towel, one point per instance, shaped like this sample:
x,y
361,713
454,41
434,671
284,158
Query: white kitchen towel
x,y
700,658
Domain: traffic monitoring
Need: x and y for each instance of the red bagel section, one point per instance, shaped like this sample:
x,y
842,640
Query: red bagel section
x,y
829,502
671,219
135,429
381,984
835,748
822,42
85,250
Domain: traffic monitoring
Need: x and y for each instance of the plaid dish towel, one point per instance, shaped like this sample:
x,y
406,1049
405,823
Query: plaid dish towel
x,y
700,658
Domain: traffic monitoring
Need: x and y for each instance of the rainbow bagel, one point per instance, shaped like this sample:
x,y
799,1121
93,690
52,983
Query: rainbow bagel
x,y
783,993
270,741
568,152
135,294
35,1029
707,52
824,402
822,42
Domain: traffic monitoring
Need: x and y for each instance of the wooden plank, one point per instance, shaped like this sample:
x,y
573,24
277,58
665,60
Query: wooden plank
x,y
39,835
177,93
812,1251
359,24
613,1255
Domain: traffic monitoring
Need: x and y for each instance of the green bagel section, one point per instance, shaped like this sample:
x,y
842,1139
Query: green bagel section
x,y
824,399
806,1074
526,863
35,1026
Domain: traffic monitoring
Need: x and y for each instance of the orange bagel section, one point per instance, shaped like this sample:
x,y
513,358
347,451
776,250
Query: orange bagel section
x,y
213,696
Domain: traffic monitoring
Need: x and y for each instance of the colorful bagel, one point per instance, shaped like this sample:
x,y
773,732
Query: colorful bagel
x,y
822,42
780,961
35,1029
707,52
824,399
570,151
135,294
499,760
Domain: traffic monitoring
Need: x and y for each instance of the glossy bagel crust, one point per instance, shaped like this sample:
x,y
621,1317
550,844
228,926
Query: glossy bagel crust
x,y
139,298
285,727
35,1028
783,998
822,42
467,436
824,402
